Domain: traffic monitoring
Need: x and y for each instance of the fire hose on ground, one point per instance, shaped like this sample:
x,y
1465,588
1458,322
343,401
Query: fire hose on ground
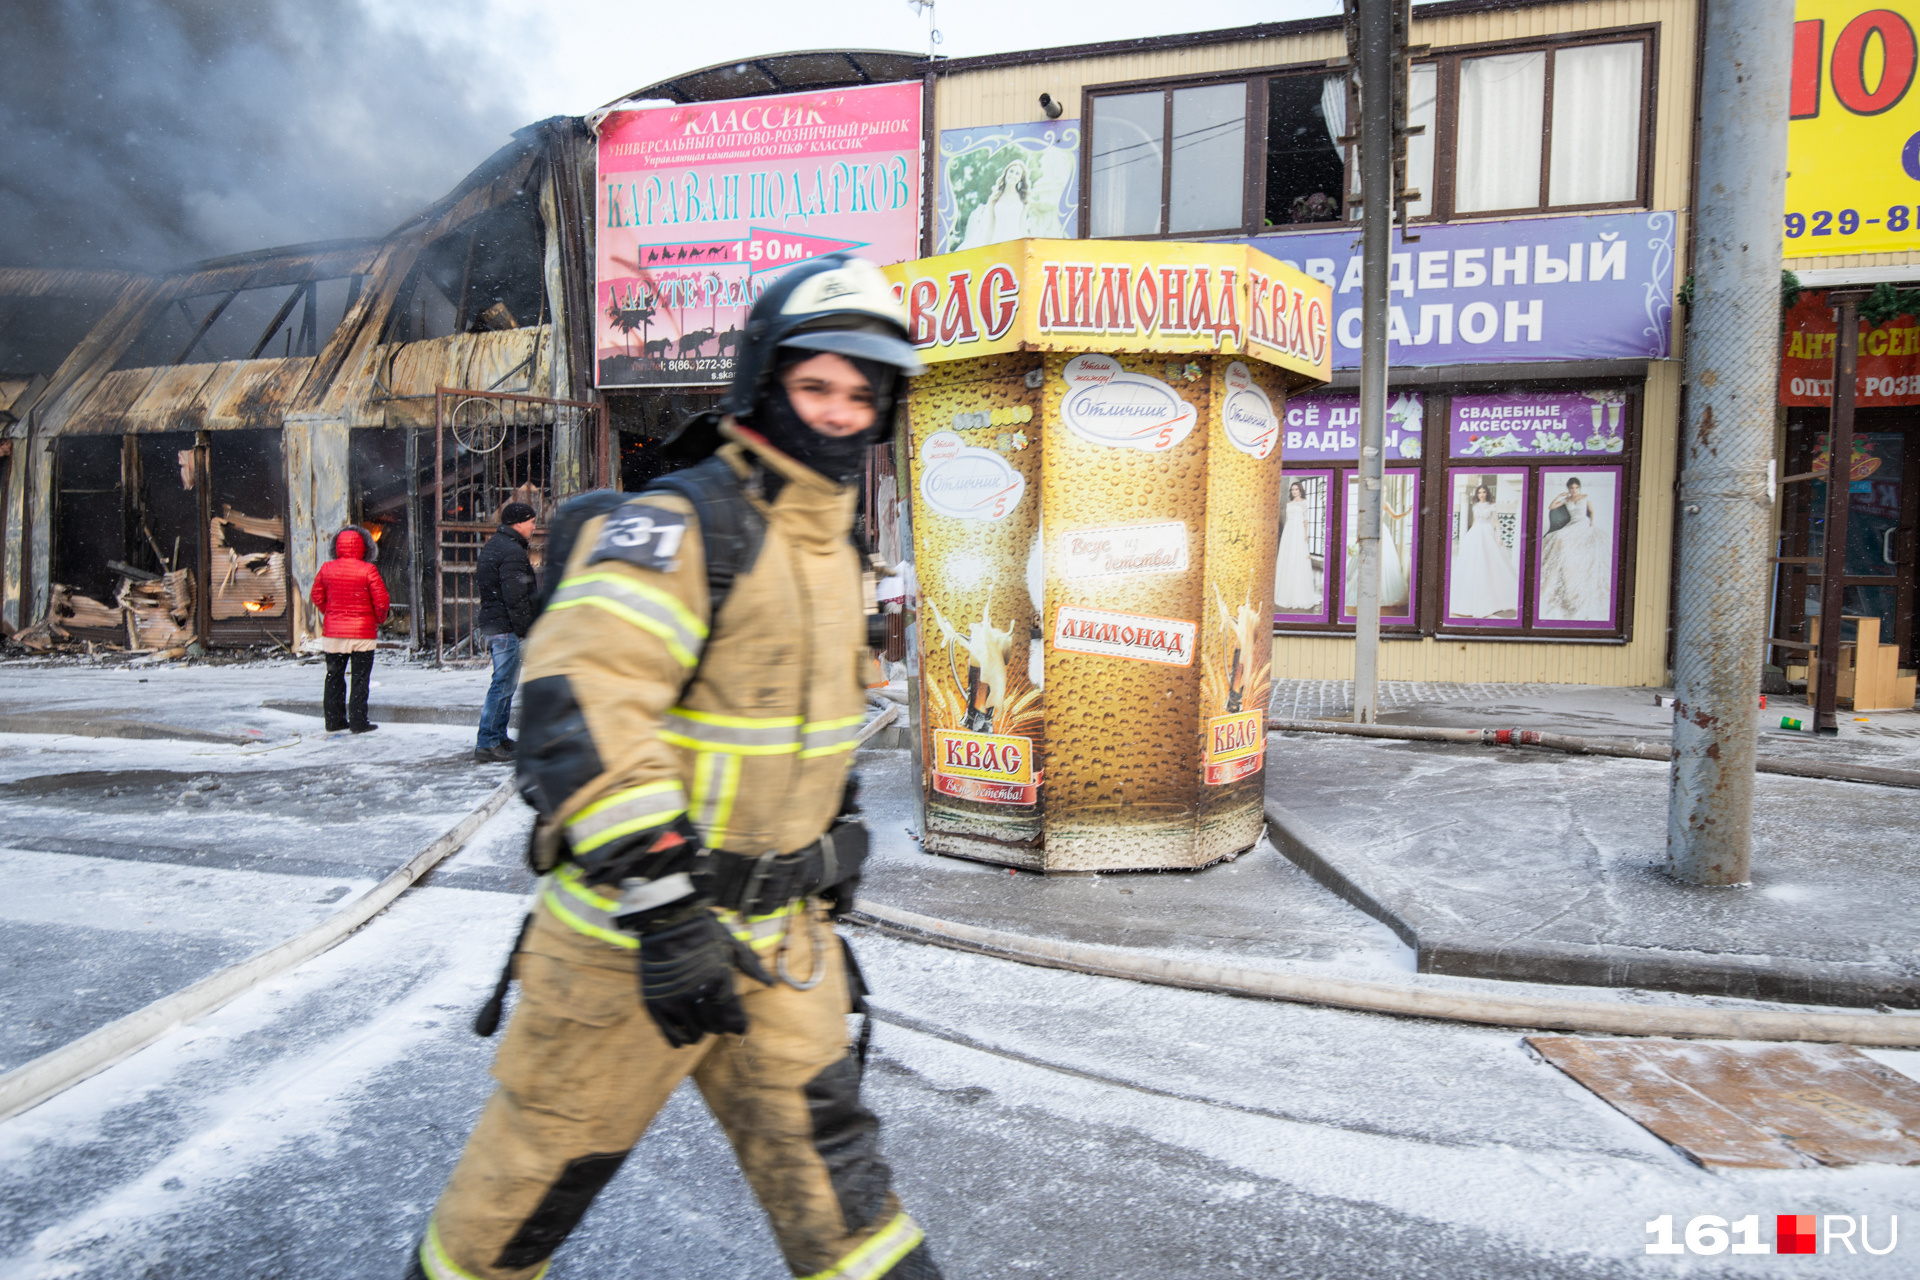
x,y
1593,747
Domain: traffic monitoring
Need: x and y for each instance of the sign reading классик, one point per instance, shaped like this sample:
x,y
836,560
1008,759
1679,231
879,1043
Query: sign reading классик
x,y
1596,287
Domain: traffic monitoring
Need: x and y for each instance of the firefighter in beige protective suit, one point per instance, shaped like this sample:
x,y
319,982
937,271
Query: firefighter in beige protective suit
x,y
690,699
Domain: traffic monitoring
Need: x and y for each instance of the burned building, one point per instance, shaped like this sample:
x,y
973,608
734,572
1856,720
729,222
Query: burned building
x,y
177,467
178,448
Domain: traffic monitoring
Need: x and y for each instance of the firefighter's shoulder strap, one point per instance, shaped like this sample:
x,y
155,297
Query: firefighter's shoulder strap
x,y
732,529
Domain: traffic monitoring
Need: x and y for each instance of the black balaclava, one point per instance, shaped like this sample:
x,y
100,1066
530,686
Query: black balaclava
x,y
840,458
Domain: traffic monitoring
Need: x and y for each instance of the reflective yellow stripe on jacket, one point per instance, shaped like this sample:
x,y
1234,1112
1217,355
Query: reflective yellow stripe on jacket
x,y
586,909
721,743
657,612
735,735
582,908
651,804
877,1254
716,784
824,737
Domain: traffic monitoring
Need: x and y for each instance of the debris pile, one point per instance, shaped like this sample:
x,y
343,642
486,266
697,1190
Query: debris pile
x,y
159,611
249,566
152,610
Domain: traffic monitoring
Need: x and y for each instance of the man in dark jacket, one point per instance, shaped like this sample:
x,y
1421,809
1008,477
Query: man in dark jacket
x,y
508,590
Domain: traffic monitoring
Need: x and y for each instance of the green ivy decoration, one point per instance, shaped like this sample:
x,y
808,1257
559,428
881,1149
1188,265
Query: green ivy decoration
x,y
1886,303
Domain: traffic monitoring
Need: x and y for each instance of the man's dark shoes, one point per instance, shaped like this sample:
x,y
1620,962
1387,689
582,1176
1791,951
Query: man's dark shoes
x,y
363,728
493,755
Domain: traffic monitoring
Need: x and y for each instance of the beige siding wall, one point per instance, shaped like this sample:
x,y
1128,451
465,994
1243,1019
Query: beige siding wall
x,y
1008,95
1908,259
1011,94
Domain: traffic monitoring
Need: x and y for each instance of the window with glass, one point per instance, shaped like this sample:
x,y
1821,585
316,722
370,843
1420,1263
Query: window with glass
x,y
1169,161
1549,128
1505,512
1506,129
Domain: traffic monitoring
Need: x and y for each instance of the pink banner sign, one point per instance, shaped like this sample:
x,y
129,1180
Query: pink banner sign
x,y
702,206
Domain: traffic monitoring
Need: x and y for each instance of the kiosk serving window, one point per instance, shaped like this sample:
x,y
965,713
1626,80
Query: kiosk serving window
x,y
1503,513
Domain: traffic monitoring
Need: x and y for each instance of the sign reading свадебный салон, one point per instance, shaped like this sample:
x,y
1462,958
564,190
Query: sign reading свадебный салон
x,y
1521,289
702,206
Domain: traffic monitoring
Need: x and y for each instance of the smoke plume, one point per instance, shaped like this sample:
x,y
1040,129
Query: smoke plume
x,y
144,134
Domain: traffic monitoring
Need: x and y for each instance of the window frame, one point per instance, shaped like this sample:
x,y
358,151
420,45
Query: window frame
x,y
1446,130
1429,570
1253,182
1446,150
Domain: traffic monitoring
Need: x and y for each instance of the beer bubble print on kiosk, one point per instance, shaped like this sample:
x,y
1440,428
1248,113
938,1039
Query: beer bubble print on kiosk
x,y
1096,457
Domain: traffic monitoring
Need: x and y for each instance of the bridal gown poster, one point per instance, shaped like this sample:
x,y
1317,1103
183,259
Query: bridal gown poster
x,y
1485,524
1300,569
1578,555
1008,181
1399,518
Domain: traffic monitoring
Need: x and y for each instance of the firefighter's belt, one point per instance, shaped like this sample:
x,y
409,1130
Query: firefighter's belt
x,y
755,886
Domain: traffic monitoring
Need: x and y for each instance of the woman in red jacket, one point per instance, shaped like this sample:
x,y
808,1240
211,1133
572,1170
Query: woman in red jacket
x,y
353,600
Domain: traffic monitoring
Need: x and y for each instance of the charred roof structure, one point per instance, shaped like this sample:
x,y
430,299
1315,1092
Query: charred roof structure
x,y
178,448
212,427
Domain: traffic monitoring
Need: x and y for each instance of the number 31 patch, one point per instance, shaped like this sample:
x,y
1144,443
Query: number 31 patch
x,y
648,537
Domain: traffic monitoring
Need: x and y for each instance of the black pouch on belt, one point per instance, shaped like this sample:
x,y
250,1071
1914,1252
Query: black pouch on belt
x,y
757,886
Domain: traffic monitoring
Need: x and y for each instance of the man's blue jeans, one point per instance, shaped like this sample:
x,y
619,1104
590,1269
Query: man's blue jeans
x,y
499,706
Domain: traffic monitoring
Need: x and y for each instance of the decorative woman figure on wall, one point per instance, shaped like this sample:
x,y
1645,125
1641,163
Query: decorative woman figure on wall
x,y
1003,216
1485,582
1395,584
1575,573
1296,587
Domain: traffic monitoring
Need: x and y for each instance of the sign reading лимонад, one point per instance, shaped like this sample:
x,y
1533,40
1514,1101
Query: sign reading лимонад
x,y
1575,288
1124,635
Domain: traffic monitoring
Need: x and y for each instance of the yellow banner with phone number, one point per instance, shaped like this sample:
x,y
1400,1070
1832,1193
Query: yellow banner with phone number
x,y
1853,136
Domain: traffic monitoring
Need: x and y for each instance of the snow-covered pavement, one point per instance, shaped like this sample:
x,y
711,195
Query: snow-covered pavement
x,y
1041,1123
135,867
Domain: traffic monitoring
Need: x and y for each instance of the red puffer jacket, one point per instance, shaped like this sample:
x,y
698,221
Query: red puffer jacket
x,y
348,591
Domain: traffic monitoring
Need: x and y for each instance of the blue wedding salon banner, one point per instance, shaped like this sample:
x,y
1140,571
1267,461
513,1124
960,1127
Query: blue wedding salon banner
x,y
1597,287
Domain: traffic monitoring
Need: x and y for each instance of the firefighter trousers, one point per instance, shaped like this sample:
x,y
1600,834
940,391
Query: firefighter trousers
x,y
582,1071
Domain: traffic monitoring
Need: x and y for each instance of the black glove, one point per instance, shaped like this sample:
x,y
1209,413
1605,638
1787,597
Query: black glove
x,y
849,839
686,976
645,855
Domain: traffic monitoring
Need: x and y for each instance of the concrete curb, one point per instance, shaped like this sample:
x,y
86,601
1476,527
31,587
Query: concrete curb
x,y
79,725
51,1073
1744,977
1595,1016
461,717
